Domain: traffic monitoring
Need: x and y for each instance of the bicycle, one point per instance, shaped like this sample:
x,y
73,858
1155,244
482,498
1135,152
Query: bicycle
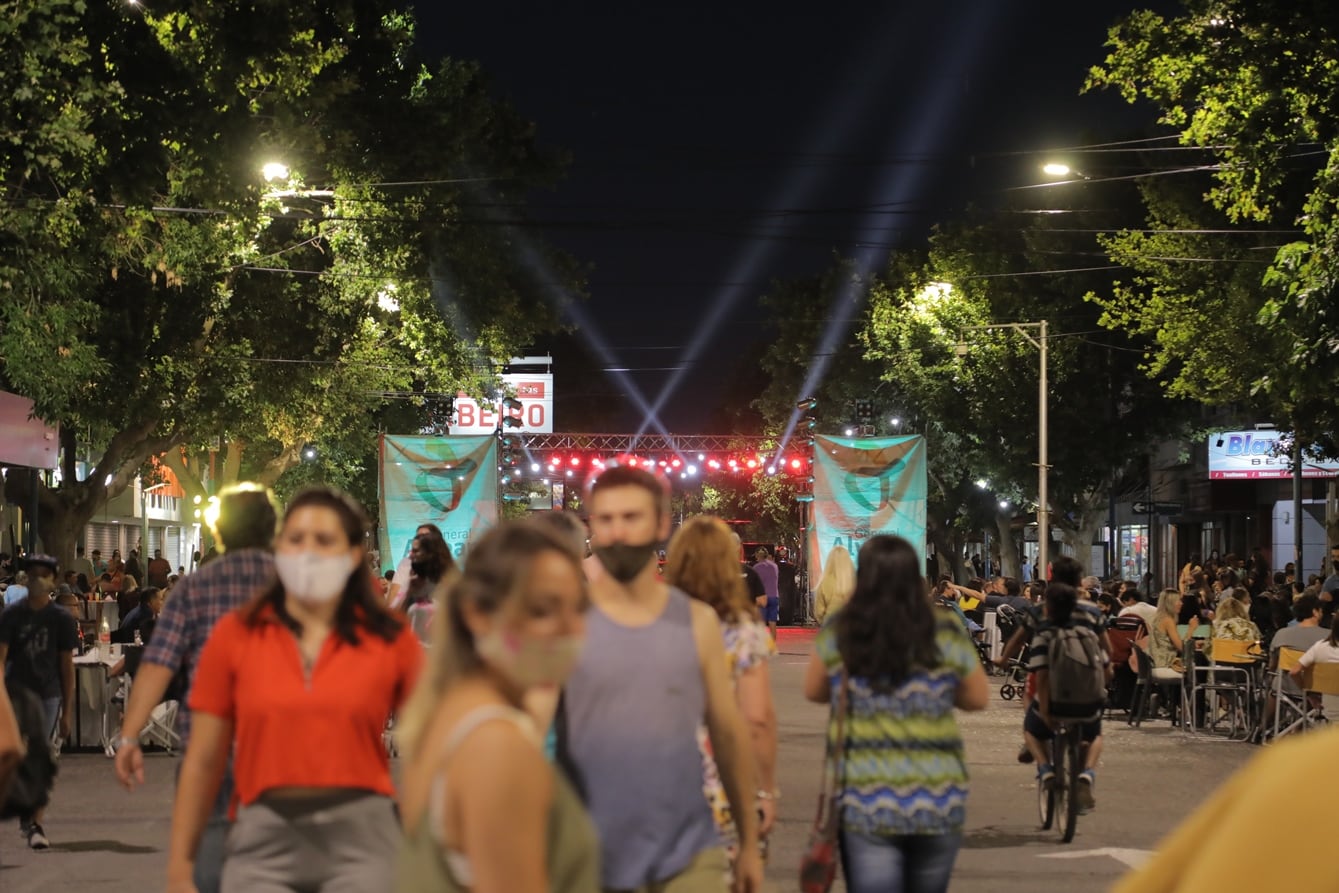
x,y
1058,799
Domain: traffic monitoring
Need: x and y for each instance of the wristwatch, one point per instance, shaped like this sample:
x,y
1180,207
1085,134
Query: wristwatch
x,y
121,741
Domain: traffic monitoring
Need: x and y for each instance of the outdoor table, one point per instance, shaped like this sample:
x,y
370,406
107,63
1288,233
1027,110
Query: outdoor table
x,y
93,691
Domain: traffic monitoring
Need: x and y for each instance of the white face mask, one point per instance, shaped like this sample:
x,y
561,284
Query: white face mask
x,y
313,577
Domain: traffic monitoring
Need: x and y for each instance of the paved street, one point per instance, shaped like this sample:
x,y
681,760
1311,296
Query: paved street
x,y
107,840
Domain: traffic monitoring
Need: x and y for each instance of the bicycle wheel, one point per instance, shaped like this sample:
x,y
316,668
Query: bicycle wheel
x,y
1072,747
1061,795
1046,804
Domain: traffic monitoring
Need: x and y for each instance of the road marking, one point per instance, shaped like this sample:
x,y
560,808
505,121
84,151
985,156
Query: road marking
x,y
1130,858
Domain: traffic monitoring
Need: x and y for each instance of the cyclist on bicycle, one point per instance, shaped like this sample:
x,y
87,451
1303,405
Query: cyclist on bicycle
x,y
1063,610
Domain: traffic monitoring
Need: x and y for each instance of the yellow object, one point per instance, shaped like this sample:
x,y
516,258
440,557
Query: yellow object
x,y
1235,838
1231,651
967,603
1322,679
1288,658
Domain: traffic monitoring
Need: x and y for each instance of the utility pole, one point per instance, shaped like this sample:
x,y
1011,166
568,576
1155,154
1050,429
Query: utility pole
x,y
1298,538
1043,452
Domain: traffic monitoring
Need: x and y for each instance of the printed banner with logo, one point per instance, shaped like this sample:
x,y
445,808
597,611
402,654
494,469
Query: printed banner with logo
x,y
448,481
862,487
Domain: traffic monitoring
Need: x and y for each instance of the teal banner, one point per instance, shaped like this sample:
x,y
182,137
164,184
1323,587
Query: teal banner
x,y
862,487
448,481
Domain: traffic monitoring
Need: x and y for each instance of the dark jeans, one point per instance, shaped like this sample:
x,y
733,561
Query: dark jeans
x,y
214,839
914,863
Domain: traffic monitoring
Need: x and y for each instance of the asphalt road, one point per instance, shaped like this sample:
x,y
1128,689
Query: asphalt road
x,y
109,841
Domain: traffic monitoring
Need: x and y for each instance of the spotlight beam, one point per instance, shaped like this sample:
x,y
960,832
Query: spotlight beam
x,y
932,120
757,253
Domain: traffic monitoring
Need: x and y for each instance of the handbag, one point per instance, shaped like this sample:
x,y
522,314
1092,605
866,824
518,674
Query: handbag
x,y
818,867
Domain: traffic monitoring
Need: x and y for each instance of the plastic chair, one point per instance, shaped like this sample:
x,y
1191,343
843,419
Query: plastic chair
x,y
160,728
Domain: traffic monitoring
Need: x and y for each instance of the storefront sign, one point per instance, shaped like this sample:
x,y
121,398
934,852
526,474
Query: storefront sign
x,y
1250,455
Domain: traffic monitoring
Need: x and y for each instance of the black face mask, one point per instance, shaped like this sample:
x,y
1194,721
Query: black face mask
x,y
428,569
624,561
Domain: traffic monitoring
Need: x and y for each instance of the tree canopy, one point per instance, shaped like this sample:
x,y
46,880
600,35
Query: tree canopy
x,y
1253,87
157,293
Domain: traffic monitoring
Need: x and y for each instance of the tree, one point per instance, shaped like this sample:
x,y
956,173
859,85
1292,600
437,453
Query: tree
x,y
978,411
766,502
1253,86
926,328
156,295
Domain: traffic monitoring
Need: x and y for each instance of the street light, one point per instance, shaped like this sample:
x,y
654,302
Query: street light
x,y
1043,459
274,170
1060,169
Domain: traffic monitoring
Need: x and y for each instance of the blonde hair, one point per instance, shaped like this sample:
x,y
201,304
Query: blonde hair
x,y
1167,600
838,580
703,561
496,571
1230,608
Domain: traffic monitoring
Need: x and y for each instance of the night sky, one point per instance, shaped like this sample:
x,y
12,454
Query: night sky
x,y
718,146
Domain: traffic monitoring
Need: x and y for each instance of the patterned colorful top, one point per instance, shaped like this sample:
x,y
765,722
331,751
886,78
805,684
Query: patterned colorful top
x,y
905,771
1236,629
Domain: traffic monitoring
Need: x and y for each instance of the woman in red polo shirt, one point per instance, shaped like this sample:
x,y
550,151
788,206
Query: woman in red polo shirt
x,y
298,686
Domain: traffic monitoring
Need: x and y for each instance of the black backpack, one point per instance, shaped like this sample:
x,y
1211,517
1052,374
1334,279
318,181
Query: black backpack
x,y
30,789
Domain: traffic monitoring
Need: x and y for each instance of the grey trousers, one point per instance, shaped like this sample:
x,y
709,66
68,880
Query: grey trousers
x,y
343,844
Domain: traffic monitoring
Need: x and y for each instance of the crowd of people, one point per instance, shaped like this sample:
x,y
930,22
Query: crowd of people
x,y
293,658
573,711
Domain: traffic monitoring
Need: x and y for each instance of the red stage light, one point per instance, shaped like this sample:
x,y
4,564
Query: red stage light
x,y
713,464
795,464
576,460
733,463
675,462
752,463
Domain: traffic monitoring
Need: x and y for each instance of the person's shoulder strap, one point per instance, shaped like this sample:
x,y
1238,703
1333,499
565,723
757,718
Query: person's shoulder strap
x,y
479,716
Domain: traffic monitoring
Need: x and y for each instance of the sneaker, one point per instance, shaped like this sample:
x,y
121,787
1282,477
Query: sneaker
x,y
1045,775
36,839
1024,755
1084,794
24,827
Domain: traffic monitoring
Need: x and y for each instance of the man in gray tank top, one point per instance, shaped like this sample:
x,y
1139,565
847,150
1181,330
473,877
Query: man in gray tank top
x,y
652,670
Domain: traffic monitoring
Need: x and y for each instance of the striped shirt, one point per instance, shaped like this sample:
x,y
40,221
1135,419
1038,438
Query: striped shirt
x,y
905,771
196,603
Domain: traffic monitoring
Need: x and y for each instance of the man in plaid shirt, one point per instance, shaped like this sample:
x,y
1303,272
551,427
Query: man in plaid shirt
x,y
245,530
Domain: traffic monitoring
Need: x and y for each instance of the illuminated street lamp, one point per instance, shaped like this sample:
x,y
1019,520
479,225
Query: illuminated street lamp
x,y
273,171
1060,169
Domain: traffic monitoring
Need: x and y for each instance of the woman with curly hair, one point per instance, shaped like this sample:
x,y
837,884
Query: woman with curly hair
x,y
703,561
